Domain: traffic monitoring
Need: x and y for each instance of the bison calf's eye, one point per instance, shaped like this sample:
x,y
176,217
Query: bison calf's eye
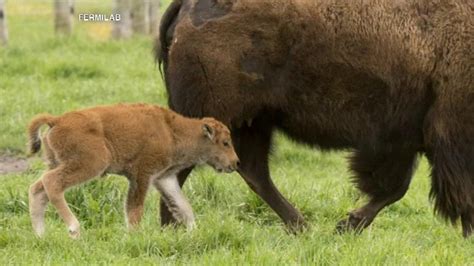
x,y
226,144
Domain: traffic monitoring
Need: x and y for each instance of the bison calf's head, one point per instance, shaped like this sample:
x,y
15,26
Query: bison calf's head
x,y
217,146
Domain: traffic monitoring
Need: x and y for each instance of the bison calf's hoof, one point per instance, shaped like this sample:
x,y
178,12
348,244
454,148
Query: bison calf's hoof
x,y
74,234
353,223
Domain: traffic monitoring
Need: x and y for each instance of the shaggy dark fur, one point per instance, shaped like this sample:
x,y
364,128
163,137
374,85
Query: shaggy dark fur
x,y
388,79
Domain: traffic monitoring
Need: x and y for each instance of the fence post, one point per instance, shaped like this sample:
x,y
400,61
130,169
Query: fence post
x,y
155,16
140,16
123,27
64,15
3,24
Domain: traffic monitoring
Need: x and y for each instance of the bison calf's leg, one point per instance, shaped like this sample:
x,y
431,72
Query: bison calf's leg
x,y
57,181
385,177
165,214
253,148
176,202
135,200
38,201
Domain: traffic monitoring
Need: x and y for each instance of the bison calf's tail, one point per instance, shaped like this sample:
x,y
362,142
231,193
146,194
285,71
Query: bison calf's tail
x,y
34,140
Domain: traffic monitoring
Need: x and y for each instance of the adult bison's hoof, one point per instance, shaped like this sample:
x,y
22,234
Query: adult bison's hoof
x,y
354,223
296,227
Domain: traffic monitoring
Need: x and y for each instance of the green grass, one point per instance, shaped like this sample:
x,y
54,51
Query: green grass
x,y
41,73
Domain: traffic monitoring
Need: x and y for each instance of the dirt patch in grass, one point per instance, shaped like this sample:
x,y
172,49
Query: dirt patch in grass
x,y
12,164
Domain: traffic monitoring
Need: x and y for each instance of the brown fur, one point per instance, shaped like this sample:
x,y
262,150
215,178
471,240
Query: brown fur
x,y
146,143
387,79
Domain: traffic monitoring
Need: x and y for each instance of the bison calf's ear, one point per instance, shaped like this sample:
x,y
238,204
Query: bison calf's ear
x,y
208,131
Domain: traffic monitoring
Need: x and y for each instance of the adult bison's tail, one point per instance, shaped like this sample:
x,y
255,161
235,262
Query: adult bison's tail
x,y
34,143
166,33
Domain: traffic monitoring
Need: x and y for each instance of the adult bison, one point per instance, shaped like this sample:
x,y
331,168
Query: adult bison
x,y
387,79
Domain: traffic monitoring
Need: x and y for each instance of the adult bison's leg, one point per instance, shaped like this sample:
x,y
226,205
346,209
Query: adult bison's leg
x,y
467,222
452,176
450,151
166,216
385,177
253,147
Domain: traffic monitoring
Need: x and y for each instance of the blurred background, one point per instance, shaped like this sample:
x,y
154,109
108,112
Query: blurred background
x,y
51,61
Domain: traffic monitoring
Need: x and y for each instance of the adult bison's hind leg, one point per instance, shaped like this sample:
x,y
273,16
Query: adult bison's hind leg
x,y
452,176
385,177
467,221
253,146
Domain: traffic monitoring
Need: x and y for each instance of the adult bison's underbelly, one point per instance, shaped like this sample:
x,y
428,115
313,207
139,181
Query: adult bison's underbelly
x,y
340,107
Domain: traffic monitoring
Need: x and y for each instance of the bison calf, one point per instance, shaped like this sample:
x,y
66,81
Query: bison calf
x,y
145,143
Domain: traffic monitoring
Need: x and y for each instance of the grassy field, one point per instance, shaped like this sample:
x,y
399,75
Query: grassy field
x,y
41,73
